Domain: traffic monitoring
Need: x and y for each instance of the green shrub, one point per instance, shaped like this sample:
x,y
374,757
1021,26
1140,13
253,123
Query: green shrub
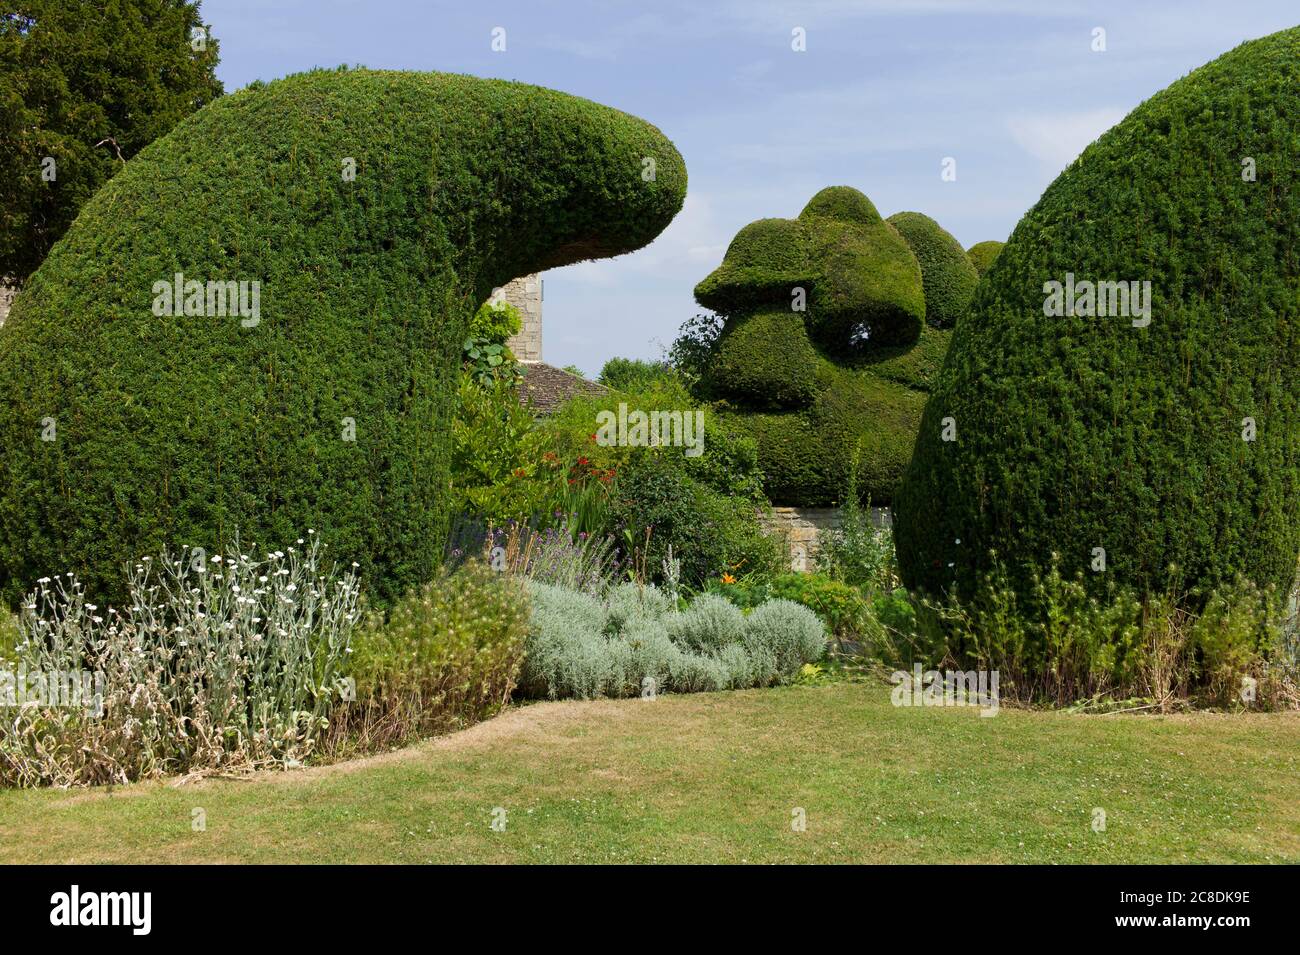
x,y
984,254
895,612
630,602
947,274
1077,435
496,321
194,428
89,85
748,369
1062,645
789,632
857,551
581,647
691,352
711,533
710,623
499,471
1235,634
444,656
839,605
633,374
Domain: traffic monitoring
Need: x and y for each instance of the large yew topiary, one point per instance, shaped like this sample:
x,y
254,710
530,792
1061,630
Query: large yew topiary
x,y
331,409
1112,442
845,378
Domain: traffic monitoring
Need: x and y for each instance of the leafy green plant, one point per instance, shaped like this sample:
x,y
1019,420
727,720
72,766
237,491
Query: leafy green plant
x,y
486,362
635,374
711,533
1062,644
496,321
499,468
486,358
1118,423
857,551
693,349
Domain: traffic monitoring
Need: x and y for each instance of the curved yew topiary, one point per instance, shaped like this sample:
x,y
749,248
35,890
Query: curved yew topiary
x,y
983,254
947,275
849,371
329,408
1152,443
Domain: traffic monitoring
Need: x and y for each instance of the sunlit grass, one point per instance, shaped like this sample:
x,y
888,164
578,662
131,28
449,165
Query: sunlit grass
x,y
715,777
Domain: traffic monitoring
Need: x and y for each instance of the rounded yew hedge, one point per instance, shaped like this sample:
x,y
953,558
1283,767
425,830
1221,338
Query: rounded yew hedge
x,y
1114,442
947,275
983,254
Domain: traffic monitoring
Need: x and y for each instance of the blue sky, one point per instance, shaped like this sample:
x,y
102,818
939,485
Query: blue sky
x,y
1011,89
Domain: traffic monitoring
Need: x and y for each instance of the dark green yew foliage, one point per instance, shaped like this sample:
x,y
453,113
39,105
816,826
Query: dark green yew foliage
x,y
947,274
851,370
190,430
87,84
1076,433
983,254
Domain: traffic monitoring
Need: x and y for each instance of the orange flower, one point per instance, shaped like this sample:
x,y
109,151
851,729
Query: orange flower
x,y
728,579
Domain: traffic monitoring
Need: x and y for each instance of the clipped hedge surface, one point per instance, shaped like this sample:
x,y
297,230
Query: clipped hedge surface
x,y
1075,432
983,254
854,268
947,274
759,374
189,430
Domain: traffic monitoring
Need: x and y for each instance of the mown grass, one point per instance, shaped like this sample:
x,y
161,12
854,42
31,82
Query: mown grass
x,y
715,777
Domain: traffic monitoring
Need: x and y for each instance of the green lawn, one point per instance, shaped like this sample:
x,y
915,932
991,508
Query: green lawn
x,y
714,778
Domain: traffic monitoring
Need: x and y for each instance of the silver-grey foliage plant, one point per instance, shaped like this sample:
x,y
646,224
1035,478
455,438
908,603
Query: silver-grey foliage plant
x,y
585,647
224,663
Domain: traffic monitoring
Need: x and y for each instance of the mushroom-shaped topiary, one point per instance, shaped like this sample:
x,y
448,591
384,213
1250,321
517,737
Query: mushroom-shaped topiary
x,y
1125,390
825,349
144,403
984,254
947,274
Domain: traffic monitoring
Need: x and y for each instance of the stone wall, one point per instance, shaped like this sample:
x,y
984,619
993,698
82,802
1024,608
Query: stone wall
x,y
800,526
525,294
6,299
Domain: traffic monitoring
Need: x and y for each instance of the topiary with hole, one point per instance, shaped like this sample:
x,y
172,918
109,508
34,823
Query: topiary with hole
x,y
851,369
187,430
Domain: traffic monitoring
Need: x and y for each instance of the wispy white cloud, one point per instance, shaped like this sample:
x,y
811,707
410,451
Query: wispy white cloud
x,y
1057,138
